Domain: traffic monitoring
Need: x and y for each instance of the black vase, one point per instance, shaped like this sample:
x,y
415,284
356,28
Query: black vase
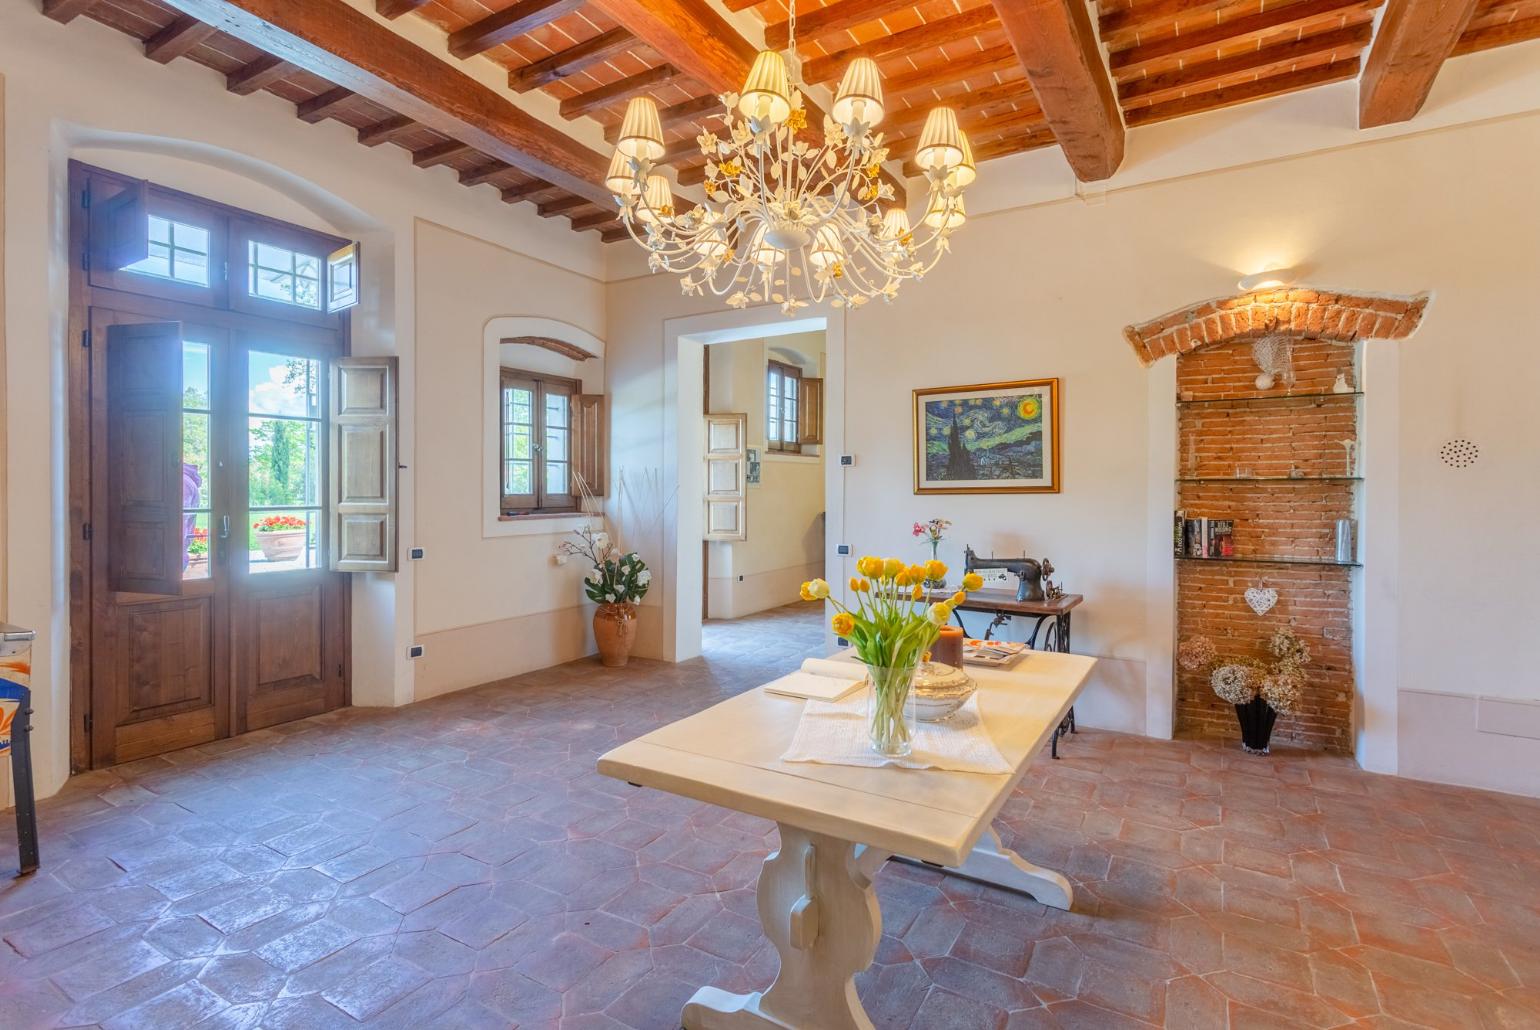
x,y
1256,718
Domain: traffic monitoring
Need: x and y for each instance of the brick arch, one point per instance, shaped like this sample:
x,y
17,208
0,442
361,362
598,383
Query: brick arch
x,y
1296,311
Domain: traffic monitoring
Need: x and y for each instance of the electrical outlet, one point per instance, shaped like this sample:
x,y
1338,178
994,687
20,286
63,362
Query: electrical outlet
x,y
847,460
842,549
415,651
415,554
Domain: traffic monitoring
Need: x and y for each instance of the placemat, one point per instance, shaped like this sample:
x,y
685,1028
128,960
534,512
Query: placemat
x,y
835,734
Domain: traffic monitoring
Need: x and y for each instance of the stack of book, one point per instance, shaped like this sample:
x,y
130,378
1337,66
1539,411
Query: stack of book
x,y
1203,537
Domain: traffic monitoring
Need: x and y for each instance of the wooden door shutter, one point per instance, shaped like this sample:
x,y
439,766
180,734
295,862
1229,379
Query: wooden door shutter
x,y
590,443
727,477
144,457
810,412
363,465
120,227
342,272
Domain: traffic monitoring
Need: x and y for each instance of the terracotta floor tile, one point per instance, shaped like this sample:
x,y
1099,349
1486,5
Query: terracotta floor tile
x,y
460,863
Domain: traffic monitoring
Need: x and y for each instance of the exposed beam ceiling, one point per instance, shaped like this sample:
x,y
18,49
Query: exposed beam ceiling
x,y
259,74
1264,61
66,11
836,17
620,89
921,37
1414,39
571,60
1257,89
348,48
497,29
176,39
1202,43
324,105
384,131
1060,53
396,8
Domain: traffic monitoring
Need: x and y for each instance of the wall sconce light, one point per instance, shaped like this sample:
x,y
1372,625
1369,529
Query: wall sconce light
x,y
1268,279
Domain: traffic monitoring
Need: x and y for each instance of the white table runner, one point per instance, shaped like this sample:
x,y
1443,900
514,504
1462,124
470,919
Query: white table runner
x,y
835,734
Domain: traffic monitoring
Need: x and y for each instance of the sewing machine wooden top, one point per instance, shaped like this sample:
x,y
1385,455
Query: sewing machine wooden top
x,y
1005,601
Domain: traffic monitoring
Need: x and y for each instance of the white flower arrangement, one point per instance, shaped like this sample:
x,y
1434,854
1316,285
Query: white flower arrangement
x,y
613,577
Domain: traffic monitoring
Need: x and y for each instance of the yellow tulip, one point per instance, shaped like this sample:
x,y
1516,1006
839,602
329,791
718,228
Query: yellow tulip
x,y
843,624
807,592
859,585
939,614
935,569
957,599
819,589
870,566
973,581
917,574
891,568
918,593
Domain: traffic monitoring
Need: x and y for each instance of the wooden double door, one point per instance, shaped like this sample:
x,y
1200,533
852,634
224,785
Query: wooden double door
x,y
212,609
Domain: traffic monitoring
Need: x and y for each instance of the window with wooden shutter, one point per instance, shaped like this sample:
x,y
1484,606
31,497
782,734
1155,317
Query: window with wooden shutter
x,y
144,457
539,440
342,274
120,227
783,394
363,464
810,412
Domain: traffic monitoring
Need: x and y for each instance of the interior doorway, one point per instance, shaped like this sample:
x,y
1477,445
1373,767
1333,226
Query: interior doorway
x,y
203,602
755,561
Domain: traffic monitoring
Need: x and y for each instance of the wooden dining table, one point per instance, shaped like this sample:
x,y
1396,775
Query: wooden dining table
x,y
839,824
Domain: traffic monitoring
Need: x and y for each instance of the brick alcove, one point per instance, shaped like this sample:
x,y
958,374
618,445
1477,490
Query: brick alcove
x,y
1271,460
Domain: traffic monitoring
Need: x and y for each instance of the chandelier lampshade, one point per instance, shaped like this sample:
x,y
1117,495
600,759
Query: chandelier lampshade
x,y
859,98
941,144
767,91
641,131
798,209
657,200
966,171
620,180
945,212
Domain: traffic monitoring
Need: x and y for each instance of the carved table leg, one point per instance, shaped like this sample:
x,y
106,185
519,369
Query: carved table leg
x,y
993,863
819,910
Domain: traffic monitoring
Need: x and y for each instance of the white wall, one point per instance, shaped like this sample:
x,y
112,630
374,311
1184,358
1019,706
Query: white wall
x,y
86,91
785,543
1045,289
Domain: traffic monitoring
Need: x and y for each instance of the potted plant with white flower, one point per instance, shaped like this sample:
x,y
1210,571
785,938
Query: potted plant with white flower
x,y
616,582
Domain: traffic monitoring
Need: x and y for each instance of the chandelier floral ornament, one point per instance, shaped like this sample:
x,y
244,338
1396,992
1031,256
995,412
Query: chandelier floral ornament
x,y
790,217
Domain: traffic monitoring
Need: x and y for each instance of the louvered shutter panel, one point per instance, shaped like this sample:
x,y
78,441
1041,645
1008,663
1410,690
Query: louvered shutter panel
x,y
144,458
363,465
590,442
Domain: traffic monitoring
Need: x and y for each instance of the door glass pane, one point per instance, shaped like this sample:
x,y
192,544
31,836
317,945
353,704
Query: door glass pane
x,y
518,440
283,457
196,468
177,251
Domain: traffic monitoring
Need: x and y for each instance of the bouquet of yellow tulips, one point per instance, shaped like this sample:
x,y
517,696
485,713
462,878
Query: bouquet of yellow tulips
x,y
892,625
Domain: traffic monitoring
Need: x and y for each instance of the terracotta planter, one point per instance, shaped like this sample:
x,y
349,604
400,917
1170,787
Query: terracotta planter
x,y
1256,718
615,633
283,546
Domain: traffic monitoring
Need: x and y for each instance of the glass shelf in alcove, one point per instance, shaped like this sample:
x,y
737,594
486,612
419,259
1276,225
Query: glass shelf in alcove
x,y
1259,560
1269,479
1270,399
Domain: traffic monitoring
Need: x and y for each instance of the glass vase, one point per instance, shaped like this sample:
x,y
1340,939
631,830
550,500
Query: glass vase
x,y
890,715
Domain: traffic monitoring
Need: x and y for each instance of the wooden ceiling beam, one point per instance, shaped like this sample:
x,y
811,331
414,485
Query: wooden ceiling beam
x,y
484,173
921,37
971,104
836,17
694,38
943,73
385,130
982,124
1260,63
323,105
259,74
1415,37
441,153
1062,57
571,60
1229,96
620,89
1120,27
1015,143
1202,43
396,8
66,11
598,220
176,39
673,114
553,208
346,46
525,190
511,23
615,235
1519,30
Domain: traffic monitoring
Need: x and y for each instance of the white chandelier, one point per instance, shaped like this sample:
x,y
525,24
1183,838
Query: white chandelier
x,y
788,221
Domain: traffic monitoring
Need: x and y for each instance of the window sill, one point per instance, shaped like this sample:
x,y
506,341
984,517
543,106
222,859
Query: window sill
x,y
791,456
544,523
528,516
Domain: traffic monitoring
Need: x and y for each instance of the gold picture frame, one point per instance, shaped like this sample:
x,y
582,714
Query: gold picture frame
x,y
989,438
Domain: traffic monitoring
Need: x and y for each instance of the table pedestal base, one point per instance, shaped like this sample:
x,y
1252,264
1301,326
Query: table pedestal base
x,y
818,908
992,863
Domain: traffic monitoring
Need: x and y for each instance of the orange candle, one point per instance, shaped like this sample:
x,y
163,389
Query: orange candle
x,y
948,648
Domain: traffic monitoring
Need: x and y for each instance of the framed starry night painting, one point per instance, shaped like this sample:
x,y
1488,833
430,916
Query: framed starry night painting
x,y
994,438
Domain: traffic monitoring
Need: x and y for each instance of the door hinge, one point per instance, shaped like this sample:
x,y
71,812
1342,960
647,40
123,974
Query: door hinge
x,y
85,531
340,670
85,337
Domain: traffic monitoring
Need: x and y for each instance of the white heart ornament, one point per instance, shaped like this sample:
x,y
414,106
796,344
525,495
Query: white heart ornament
x,y
1261,599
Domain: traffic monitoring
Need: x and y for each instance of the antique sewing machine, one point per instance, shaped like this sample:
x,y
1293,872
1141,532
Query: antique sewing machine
x,y
1029,572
